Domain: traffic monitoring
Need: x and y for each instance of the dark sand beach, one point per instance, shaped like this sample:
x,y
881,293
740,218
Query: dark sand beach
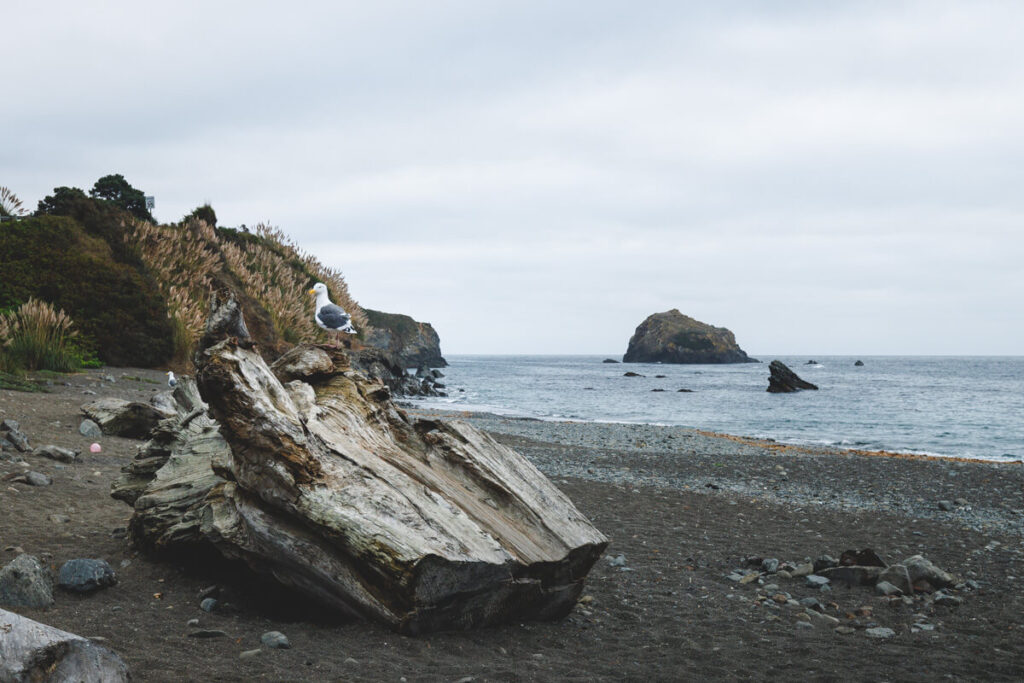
x,y
685,511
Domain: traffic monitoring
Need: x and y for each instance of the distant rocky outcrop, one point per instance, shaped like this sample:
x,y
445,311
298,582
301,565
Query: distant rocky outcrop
x,y
672,337
384,367
783,380
412,343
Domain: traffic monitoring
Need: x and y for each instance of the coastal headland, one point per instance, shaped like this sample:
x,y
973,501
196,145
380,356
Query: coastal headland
x,y
687,512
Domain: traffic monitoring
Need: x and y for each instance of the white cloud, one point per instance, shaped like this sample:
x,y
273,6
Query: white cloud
x,y
539,177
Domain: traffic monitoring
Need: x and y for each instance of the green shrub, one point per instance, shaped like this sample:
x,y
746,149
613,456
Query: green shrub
x,y
118,310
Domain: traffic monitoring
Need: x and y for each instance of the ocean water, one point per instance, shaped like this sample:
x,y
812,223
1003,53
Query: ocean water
x,y
970,407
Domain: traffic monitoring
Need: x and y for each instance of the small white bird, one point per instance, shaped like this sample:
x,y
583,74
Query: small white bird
x,y
171,380
330,316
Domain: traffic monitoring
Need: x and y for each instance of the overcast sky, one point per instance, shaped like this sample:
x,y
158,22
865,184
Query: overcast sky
x,y
538,177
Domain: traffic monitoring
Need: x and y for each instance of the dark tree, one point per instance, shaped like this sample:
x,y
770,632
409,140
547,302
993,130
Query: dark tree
x,y
61,202
206,214
115,189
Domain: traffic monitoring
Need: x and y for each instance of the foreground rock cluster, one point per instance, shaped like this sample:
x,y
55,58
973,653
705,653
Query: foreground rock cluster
x,y
307,471
914,582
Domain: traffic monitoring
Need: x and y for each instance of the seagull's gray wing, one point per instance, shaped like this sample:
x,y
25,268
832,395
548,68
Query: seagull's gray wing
x,y
333,317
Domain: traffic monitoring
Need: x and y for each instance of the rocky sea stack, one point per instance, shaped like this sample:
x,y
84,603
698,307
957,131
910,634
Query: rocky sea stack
x,y
411,343
672,337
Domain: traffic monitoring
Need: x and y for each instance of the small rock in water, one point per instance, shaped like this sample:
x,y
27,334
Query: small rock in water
x,y
880,632
275,640
85,576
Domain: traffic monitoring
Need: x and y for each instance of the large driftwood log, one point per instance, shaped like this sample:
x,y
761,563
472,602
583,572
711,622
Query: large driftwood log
x,y
31,651
320,481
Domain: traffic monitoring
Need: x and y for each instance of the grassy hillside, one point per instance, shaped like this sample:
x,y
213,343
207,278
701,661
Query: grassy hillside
x,y
138,292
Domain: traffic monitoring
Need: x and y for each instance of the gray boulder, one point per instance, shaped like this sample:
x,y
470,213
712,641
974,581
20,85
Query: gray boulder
x,y
56,453
90,429
25,582
33,651
85,576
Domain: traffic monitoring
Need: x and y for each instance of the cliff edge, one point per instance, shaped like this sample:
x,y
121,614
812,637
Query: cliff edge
x,y
412,343
672,337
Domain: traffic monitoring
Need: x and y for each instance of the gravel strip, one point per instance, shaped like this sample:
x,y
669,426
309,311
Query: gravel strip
x,y
986,497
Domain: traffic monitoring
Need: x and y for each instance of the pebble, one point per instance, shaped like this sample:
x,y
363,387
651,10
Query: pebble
x,y
880,632
804,624
350,660
275,640
208,633
945,505
844,630
208,605
815,581
617,561
37,479
947,600
59,519
193,622
249,653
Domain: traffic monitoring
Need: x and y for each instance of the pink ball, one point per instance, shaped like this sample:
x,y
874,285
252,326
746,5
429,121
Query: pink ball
x,y
95,448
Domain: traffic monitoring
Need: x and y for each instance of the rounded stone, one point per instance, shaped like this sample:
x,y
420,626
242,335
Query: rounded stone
x,y
85,576
276,640
90,429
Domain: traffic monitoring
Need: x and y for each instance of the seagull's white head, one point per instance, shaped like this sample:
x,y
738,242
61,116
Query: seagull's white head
x,y
319,289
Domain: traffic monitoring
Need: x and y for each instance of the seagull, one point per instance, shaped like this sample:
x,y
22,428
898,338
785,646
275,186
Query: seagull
x,y
329,316
171,380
